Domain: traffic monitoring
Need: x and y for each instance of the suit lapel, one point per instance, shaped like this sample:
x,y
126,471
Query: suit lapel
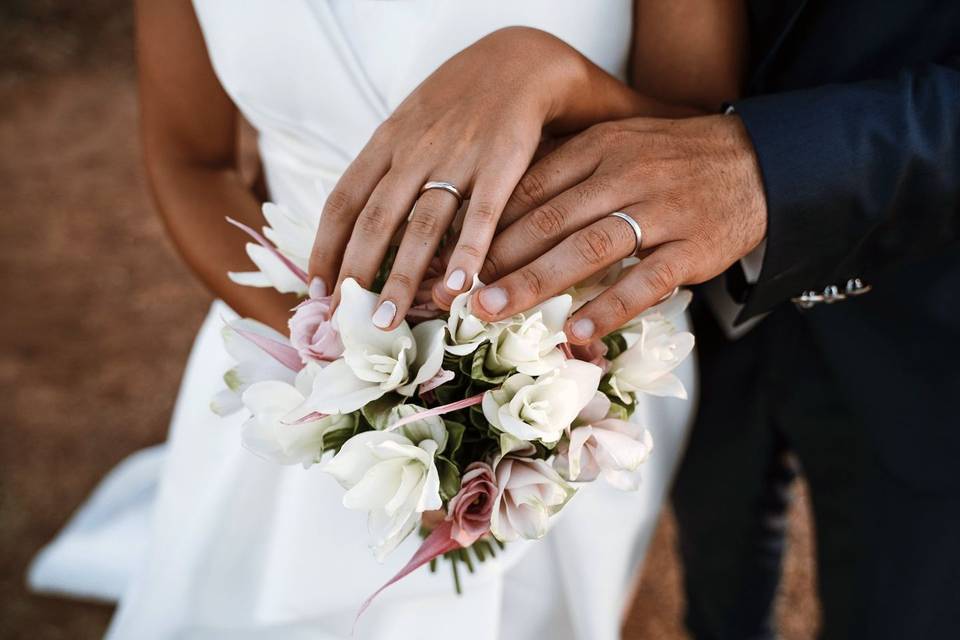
x,y
776,18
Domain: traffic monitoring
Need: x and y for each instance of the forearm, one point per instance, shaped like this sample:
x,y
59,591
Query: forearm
x,y
599,97
194,202
857,178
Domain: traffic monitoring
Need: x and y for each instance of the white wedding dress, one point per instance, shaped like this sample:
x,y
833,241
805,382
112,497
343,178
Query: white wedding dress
x,y
200,538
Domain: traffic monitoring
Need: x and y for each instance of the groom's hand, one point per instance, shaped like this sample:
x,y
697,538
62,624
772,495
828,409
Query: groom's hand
x,y
693,186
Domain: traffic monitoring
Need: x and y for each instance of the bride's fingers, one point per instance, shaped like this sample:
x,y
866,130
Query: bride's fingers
x,y
340,212
545,226
429,220
576,258
384,212
562,168
490,192
643,286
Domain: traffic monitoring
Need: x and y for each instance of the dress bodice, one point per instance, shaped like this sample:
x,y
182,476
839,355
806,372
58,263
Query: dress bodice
x,y
315,78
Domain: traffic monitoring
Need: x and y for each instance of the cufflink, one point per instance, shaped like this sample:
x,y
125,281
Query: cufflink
x,y
831,293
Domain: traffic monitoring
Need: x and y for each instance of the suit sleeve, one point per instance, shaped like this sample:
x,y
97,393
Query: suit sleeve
x,y
857,177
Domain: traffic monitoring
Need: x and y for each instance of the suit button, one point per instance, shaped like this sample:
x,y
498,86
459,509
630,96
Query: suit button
x,y
855,287
832,294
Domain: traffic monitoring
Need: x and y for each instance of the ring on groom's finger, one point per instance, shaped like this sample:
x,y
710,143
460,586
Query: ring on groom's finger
x,y
446,186
637,231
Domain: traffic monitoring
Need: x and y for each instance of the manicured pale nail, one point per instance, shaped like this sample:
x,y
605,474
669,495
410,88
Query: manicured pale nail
x,y
456,280
384,314
493,299
318,288
583,328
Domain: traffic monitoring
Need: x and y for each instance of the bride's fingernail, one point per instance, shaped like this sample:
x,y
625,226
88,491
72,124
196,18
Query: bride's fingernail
x,y
318,288
384,314
493,299
583,328
456,280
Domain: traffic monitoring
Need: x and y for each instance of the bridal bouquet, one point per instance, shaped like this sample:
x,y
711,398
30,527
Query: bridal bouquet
x,y
485,428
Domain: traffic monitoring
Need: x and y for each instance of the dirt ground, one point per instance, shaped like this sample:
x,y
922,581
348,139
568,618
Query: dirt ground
x,y
98,314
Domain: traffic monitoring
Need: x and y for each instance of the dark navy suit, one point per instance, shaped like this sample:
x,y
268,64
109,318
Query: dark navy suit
x,y
853,107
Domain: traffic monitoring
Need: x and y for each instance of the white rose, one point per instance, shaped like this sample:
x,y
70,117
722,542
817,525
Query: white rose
x,y
529,492
669,311
267,435
374,362
528,341
543,408
646,366
465,331
604,446
392,478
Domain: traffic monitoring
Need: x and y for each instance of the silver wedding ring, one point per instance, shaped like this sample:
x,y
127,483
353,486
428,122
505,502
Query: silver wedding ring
x,y
446,186
637,231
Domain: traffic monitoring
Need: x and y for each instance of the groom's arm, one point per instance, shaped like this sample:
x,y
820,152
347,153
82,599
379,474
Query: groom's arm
x,y
857,177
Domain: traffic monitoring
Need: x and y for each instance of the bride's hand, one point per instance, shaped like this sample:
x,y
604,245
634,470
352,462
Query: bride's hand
x,y
476,123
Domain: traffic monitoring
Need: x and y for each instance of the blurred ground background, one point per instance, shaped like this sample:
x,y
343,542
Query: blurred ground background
x,y
98,313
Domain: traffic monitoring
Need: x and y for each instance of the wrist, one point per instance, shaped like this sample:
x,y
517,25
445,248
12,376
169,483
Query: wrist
x,y
752,198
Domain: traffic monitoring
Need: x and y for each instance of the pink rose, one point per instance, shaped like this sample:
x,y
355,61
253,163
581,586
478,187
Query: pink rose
x,y
311,331
471,508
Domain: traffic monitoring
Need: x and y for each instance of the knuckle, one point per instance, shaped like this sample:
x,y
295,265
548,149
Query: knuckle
x,y
531,190
533,282
484,212
373,220
470,250
338,205
593,246
606,132
424,224
402,281
620,306
661,276
546,221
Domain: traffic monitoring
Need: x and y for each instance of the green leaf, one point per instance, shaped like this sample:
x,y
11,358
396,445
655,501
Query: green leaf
x,y
451,392
616,344
334,440
477,419
449,477
378,411
232,379
454,437
617,410
479,372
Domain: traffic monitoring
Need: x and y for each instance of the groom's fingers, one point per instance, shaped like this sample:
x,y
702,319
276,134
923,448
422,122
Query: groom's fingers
x,y
340,212
546,225
562,168
666,268
576,258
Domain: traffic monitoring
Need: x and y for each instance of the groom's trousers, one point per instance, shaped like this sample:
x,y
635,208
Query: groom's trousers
x,y
886,551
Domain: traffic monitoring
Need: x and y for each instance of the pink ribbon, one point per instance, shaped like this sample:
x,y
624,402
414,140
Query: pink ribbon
x,y
437,411
266,244
282,353
436,544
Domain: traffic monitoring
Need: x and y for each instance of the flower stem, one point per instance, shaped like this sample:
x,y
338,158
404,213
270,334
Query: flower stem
x,y
456,574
